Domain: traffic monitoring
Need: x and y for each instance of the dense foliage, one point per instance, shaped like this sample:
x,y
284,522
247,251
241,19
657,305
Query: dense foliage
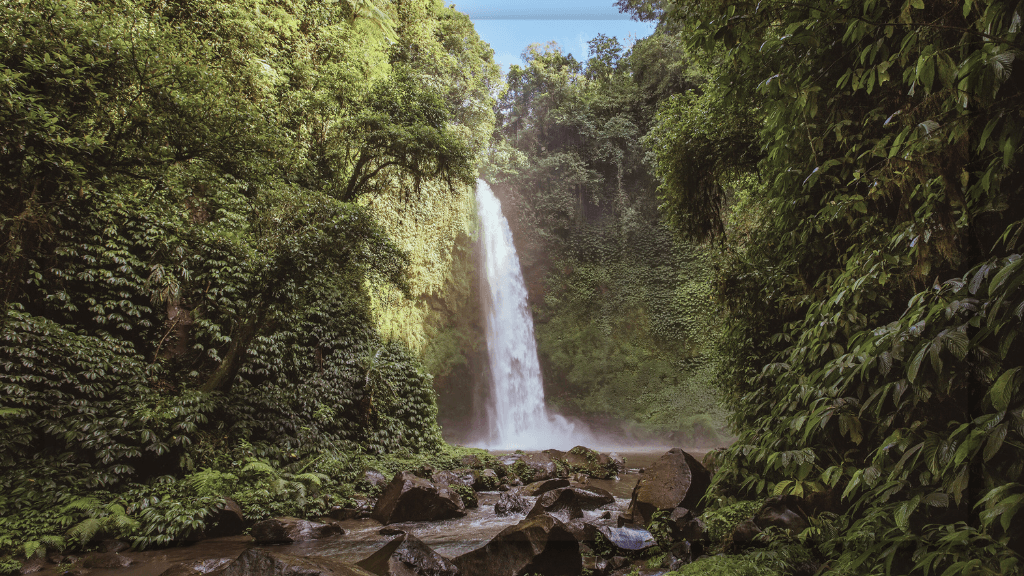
x,y
194,214
622,310
859,164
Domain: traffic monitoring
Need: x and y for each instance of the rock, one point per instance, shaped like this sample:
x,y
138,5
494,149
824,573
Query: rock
x,y
285,530
409,499
115,546
607,515
390,531
583,459
560,503
453,478
618,562
408,556
744,532
624,541
504,488
568,503
511,502
374,479
263,562
106,560
485,481
674,480
534,467
683,551
782,512
537,545
472,461
361,509
542,486
228,521
196,568
686,526
618,462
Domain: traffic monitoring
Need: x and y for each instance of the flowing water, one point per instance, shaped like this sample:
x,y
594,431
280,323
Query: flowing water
x,y
517,416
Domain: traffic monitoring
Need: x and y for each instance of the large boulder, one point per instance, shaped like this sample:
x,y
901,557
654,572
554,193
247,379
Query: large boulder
x,y
590,462
560,503
286,530
538,545
407,555
529,467
264,562
511,502
674,480
486,480
542,486
409,499
568,503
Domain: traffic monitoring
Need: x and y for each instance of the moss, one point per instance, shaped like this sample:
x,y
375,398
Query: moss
x,y
721,522
723,565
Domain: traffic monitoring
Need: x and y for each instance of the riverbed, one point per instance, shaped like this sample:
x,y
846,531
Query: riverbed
x,y
362,537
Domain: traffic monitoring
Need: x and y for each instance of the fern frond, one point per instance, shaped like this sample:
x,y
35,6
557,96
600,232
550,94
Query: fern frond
x,y
53,542
260,467
86,504
84,530
311,478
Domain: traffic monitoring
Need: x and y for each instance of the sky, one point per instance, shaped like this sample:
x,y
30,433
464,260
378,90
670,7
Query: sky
x,y
509,27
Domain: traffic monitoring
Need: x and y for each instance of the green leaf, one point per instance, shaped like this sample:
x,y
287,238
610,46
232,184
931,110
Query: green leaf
x,y
1003,390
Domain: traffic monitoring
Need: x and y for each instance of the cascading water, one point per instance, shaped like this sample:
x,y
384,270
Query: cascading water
x,y
517,416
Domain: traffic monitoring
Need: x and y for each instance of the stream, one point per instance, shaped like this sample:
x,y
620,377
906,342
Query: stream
x,y
362,537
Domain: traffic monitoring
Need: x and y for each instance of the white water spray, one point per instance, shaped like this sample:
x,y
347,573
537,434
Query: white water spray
x,y
517,416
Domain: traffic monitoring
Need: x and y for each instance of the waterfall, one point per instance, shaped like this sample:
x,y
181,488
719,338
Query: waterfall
x,y
517,415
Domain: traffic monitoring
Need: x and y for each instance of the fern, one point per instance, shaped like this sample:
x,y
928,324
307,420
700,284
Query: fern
x,y
84,530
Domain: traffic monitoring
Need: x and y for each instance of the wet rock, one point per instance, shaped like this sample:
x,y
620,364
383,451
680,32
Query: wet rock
x,y
285,530
537,545
409,499
263,562
676,479
744,532
607,515
560,503
390,531
542,486
453,478
197,568
782,512
32,565
568,503
485,480
583,459
106,560
594,565
504,488
408,556
511,502
624,541
536,467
